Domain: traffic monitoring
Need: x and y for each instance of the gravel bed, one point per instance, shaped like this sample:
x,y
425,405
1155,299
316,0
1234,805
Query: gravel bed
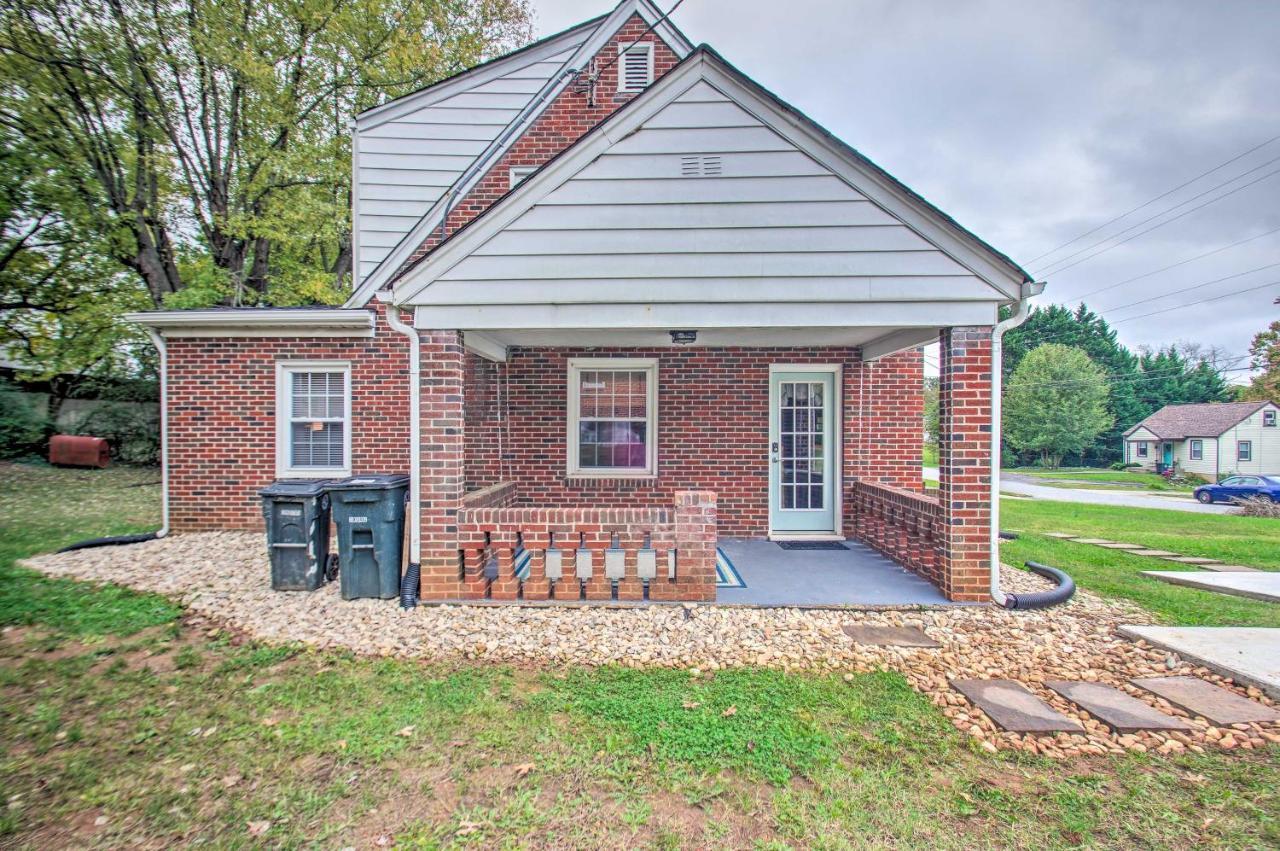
x,y
223,576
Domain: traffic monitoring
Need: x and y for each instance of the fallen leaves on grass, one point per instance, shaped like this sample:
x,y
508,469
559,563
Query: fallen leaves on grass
x,y
523,769
406,732
258,828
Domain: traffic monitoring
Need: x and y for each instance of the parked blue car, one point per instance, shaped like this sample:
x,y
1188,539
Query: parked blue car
x,y
1240,487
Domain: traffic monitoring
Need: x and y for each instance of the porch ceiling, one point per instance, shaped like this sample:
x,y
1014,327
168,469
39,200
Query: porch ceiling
x,y
707,337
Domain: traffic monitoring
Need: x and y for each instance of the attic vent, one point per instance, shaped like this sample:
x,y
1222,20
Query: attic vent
x,y
700,165
635,67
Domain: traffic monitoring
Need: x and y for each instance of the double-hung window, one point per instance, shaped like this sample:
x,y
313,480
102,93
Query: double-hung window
x,y
1197,450
612,418
1269,418
1142,449
1244,450
313,419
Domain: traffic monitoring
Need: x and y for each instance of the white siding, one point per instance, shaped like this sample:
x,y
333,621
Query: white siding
x,y
1207,466
1131,451
1266,446
652,219
404,164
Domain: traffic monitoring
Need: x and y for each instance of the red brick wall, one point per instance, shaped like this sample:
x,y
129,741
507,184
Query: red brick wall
x,y
222,417
964,456
567,119
482,414
713,427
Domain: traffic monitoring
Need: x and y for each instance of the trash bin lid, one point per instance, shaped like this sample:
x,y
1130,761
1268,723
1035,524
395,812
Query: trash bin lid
x,y
370,481
296,488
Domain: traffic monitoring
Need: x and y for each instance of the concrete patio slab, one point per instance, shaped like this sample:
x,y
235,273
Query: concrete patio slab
x,y
1248,655
890,636
1220,706
1014,708
857,576
1258,586
1119,711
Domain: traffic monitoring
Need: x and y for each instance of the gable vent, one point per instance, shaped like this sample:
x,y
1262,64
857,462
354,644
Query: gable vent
x,y
700,165
635,68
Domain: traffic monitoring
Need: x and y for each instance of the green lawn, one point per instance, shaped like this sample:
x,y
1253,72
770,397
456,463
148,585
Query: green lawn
x,y
1072,476
1251,541
136,728
930,456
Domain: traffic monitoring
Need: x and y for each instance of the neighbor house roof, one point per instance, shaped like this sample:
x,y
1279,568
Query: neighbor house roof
x,y
1175,422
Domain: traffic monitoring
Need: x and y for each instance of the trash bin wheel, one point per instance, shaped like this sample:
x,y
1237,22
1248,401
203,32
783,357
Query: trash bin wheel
x,y
331,569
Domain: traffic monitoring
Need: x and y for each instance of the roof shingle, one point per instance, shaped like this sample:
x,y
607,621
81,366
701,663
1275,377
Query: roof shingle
x,y
1175,422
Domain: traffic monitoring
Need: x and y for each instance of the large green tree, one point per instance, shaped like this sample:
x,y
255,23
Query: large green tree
x,y
205,143
1056,403
1264,355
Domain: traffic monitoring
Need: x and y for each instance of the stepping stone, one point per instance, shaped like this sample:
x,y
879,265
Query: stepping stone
x,y
1250,655
1014,708
1119,711
1095,541
1230,568
1153,553
1063,536
1122,546
1192,560
890,636
1260,585
1220,706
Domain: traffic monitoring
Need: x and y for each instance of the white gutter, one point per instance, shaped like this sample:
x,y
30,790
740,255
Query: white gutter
x,y
158,342
1019,316
415,442
258,321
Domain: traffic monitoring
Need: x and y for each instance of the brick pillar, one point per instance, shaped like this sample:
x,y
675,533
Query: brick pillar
x,y
442,463
696,545
887,427
964,456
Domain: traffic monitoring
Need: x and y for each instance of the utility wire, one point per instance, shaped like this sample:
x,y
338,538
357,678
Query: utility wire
x,y
1173,265
1155,199
1055,268
1137,380
1200,301
595,77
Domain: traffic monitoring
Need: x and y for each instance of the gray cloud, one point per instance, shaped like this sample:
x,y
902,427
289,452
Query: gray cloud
x,y
1033,122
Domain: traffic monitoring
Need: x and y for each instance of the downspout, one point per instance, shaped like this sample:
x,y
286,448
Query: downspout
x,y
408,587
163,351
1029,289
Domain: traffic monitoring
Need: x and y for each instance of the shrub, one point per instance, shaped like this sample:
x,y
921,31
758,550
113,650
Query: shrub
x,y
132,430
1121,466
1258,506
23,427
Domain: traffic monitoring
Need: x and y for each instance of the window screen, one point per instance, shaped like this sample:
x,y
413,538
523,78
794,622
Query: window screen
x,y
317,419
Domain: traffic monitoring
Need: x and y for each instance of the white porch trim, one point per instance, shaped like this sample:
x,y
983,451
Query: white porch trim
x,y
257,322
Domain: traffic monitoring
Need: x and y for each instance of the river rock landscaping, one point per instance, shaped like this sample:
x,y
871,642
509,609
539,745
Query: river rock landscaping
x,y
223,576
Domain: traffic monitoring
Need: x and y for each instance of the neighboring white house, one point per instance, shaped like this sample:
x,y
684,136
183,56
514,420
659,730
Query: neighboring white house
x,y
1212,440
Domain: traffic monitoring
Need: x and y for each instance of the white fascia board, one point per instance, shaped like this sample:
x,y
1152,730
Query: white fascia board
x,y
605,30
898,341
467,80
257,323
880,190
920,315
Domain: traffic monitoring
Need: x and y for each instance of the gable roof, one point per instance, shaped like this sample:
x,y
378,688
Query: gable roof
x,y
863,179
1210,419
570,50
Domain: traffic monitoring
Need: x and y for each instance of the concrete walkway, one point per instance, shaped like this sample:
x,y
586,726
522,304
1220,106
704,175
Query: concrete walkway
x,y
1258,586
1249,655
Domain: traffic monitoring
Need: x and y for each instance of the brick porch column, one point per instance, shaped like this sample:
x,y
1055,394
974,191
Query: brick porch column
x,y
696,534
964,453
442,463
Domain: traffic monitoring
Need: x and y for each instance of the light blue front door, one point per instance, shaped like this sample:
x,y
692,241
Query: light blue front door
x,y
1168,454
802,452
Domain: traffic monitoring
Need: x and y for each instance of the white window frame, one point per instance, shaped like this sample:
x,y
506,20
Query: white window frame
x,y
1195,450
284,414
1269,418
579,365
517,174
1244,450
645,47
1142,449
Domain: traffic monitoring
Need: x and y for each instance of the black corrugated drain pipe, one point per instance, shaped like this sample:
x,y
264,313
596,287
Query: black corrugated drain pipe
x,y
1043,599
110,542
409,585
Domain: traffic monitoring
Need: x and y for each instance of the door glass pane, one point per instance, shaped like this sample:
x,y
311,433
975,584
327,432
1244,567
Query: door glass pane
x,y
802,448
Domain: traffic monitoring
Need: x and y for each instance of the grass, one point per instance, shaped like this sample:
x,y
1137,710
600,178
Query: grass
x,y
1074,476
170,733
1251,541
930,456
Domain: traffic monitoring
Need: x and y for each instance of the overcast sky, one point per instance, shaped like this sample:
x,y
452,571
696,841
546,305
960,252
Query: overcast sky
x,y
1034,122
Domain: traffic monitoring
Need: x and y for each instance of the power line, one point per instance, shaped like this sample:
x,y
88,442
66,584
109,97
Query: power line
x,y
1196,287
1155,199
1174,265
595,77
1200,301
1056,269
1136,380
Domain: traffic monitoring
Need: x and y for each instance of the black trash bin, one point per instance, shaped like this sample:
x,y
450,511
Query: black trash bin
x,y
369,514
297,515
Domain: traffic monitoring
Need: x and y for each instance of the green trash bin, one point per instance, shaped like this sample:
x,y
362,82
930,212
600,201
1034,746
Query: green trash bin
x,y
369,513
297,515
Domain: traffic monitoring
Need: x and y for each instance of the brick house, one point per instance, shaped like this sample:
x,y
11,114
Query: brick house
x,y
613,299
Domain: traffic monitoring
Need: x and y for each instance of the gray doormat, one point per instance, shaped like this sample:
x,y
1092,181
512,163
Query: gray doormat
x,y
812,545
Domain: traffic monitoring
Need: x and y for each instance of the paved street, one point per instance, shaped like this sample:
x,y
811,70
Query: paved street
x,y
1028,486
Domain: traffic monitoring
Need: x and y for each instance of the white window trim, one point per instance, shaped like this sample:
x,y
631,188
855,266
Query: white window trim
x,y
1268,418
645,47
1195,450
518,173
1142,448
577,366
284,401
1244,450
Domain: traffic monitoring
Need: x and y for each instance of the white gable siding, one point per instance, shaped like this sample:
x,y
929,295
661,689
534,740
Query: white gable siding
x,y
760,220
1266,446
404,164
